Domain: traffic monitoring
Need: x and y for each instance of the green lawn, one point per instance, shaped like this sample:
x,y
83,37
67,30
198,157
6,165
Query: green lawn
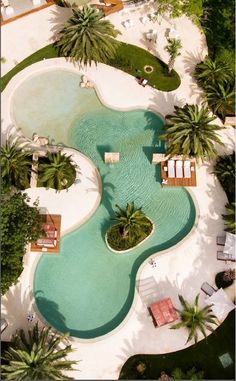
x,y
129,58
204,356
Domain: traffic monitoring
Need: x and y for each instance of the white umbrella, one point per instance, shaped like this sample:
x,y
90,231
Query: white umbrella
x,y
230,244
221,304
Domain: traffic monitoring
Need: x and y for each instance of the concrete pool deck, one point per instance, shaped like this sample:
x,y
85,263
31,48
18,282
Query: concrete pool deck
x,y
184,267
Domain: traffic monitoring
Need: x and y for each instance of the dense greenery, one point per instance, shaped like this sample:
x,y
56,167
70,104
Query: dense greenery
x,y
36,356
129,58
224,169
173,48
219,24
132,228
229,218
195,319
19,225
225,278
190,133
87,37
56,171
15,165
221,99
176,8
211,72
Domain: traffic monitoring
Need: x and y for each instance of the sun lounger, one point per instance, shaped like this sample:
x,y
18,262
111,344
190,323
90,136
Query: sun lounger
x,y
143,20
171,168
220,240
208,289
221,256
179,168
187,171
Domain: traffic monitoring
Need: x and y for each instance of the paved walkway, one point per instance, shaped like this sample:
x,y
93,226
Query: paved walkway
x,y
183,268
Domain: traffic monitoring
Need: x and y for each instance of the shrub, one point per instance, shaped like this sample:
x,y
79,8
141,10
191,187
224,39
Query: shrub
x,y
225,279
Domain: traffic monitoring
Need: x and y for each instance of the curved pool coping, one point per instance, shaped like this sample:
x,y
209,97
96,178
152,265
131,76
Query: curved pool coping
x,y
62,64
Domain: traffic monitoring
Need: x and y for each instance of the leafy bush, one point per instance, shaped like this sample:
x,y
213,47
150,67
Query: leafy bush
x,y
225,279
224,169
19,225
117,242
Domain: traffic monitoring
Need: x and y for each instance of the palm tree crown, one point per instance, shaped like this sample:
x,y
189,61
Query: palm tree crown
x,y
224,169
131,221
221,99
58,171
195,319
15,165
36,357
173,48
86,37
229,218
212,72
190,133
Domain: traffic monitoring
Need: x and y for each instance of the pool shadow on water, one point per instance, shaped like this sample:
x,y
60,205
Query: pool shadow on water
x,y
149,151
50,309
102,149
158,129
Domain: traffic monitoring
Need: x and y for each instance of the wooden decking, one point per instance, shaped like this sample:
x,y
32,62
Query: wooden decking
x,y
53,221
178,182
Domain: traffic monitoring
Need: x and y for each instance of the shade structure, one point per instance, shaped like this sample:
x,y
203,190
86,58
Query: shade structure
x,y
221,304
229,247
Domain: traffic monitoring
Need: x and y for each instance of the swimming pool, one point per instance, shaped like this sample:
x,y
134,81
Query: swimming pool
x,y
87,289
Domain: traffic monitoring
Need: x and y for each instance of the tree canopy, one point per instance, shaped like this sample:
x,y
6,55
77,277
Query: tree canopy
x,y
19,225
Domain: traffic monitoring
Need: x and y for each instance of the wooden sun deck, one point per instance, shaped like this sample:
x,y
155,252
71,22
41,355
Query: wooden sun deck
x,y
178,182
53,220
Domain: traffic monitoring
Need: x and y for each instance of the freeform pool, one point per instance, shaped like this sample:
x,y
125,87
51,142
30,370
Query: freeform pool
x,y
88,290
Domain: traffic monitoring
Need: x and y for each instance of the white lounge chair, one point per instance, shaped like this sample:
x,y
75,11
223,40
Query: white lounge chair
x,y
143,20
9,11
208,289
171,168
179,169
187,171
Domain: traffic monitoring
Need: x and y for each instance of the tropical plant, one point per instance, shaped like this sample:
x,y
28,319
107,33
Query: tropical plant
x,y
229,218
224,279
190,133
56,171
19,225
15,165
132,228
211,72
37,356
195,319
87,37
224,169
221,99
131,221
173,48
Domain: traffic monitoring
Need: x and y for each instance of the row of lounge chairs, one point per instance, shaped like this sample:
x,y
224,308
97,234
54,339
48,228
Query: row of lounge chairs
x,y
179,168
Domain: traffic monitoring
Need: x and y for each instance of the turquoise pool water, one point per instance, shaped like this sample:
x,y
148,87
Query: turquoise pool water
x,y
86,289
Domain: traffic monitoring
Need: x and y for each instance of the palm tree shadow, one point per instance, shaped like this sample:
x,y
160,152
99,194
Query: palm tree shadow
x,y
58,20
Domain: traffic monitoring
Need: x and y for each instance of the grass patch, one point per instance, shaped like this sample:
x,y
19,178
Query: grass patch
x,y
132,60
204,356
117,242
129,58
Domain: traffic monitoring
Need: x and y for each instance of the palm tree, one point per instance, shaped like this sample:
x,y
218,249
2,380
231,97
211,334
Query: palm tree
x,y
221,99
86,37
15,165
195,319
211,72
56,171
229,218
131,221
36,357
173,49
224,169
190,133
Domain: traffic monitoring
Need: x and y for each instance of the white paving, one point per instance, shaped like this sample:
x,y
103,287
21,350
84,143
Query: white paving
x,y
180,270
